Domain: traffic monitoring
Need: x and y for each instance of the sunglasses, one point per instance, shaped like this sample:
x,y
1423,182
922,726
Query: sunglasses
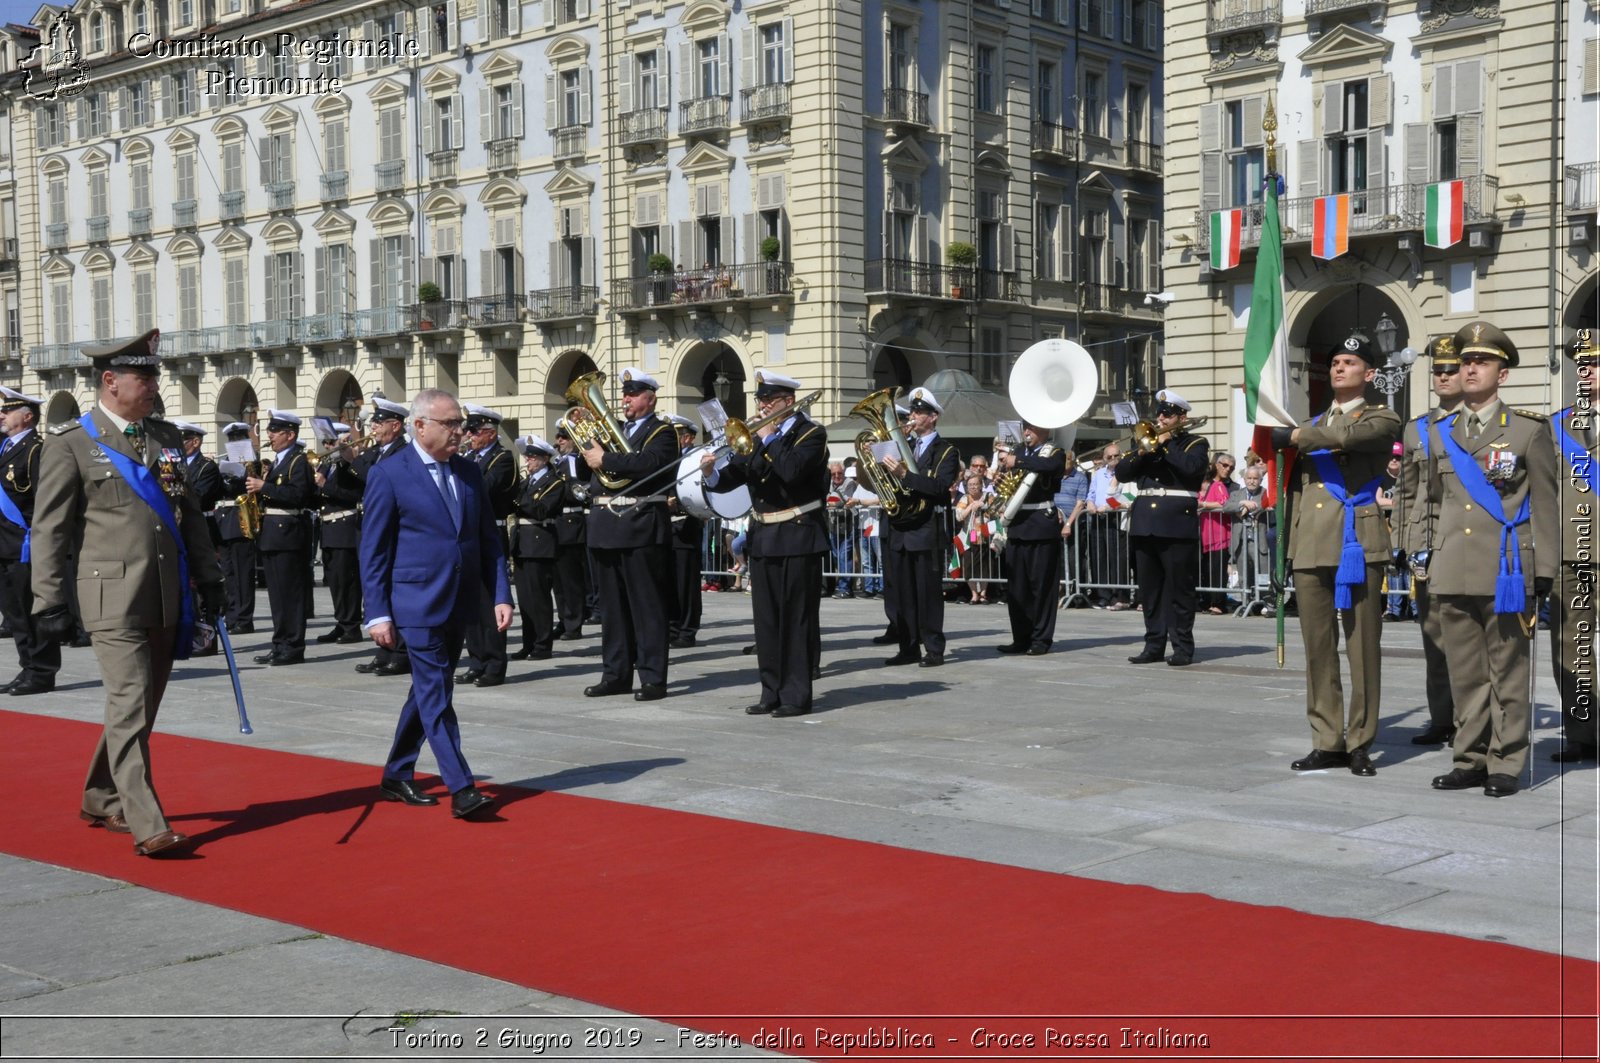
x,y
1168,411
1446,372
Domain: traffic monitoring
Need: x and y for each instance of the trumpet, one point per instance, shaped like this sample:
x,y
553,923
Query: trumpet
x,y
589,421
741,435
1147,434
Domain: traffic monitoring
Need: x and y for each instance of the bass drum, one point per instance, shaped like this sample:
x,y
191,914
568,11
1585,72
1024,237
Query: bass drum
x,y
708,505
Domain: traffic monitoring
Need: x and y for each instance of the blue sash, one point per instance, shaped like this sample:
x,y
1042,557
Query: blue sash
x,y
1510,588
149,491
1352,573
1579,460
9,510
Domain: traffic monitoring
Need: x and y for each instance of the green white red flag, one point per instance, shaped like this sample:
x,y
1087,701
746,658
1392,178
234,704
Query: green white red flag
x,y
1266,339
1442,218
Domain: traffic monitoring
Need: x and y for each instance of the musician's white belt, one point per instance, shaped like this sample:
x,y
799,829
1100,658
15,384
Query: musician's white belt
x,y
273,511
625,500
338,515
782,515
572,509
499,524
1166,492
1036,505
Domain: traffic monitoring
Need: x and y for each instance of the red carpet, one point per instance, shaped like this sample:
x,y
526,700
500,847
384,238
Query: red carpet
x,y
690,918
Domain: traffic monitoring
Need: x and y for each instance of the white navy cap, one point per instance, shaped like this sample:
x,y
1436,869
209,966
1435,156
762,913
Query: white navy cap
x,y
384,410
341,427
1171,398
188,429
680,421
769,383
924,397
14,399
278,420
636,380
235,429
478,416
532,445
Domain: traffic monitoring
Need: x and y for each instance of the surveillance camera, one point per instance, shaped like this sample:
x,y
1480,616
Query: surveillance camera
x,y
1163,298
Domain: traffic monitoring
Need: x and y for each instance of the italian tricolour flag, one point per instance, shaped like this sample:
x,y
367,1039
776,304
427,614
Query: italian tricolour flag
x,y
1441,225
1266,341
1226,225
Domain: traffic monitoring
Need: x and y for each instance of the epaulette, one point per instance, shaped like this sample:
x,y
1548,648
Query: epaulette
x,y
654,432
1529,414
1192,441
64,427
805,434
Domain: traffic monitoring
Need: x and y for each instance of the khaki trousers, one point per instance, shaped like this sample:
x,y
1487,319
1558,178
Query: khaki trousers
x,y
1441,703
1489,662
134,666
1331,729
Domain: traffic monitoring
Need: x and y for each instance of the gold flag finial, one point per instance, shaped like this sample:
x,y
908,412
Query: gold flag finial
x,y
1269,129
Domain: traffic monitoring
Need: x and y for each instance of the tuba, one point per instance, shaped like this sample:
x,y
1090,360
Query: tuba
x,y
590,421
1052,385
877,409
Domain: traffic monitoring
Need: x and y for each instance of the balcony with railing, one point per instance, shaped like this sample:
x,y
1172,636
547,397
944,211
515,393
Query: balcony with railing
x,y
185,213
389,176
1333,7
8,252
328,327
444,165
230,206
183,343
336,186
569,142
562,304
98,228
993,284
12,346
1098,298
899,276
504,154
56,356
906,107
1143,155
648,125
383,321
765,103
280,196
1053,140
486,311
690,288
55,236
707,115
440,315
221,338
279,332
1231,16
139,221
1583,187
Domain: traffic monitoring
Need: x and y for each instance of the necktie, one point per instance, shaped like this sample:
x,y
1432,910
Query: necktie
x,y
441,479
1474,427
135,436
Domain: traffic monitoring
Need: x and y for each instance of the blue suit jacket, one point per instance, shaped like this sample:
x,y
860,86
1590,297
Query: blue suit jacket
x,y
415,566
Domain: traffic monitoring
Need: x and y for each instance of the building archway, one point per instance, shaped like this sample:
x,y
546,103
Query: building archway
x,y
236,401
713,370
1320,329
61,407
339,396
564,370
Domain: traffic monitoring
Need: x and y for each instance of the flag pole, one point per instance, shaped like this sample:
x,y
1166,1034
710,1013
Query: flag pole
x,y
1269,132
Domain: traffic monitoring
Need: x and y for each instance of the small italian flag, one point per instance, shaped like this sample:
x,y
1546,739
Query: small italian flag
x,y
955,558
1441,225
1226,225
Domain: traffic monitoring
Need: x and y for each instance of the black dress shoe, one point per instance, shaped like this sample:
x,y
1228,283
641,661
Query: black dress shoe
x,y
1012,647
329,636
885,640
82,641
1571,753
1460,779
24,687
392,669
241,629
681,644
468,675
788,710
520,655
540,655
405,790
1180,660
264,658
11,684
1318,759
368,667
1038,651
605,689
468,801
1435,735
288,658
816,671
902,658
1498,785
1361,764
350,638
571,636
758,709
489,680
1145,657
932,660
650,692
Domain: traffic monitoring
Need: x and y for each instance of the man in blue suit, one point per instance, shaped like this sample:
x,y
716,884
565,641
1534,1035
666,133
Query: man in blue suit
x,y
429,552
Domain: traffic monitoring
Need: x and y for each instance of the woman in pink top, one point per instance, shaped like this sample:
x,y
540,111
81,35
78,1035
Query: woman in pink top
x,y
1215,530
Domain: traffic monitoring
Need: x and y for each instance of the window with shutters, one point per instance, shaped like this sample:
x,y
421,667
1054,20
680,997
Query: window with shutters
x,y
1092,244
336,286
188,295
61,311
277,159
97,40
901,68
648,94
98,184
99,114
1093,102
233,166
57,194
1046,93
139,183
185,12
138,112
1047,241
994,235
1448,147
571,98
51,128
391,272
328,57
392,134
1138,254
1346,118
284,296
985,96
236,303
387,40
708,66
1245,157
1591,65
100,291
183,93
283,64
333,146
141,17
774,69
144,300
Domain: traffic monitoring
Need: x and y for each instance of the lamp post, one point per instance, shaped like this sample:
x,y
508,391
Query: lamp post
x,y
720,386
1397,364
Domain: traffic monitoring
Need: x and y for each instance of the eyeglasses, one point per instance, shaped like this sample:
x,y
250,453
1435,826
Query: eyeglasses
x,y
451,424
1224,464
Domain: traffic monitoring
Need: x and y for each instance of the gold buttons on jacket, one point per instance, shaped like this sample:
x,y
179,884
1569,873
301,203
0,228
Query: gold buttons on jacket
x,y
1466,531
1468,507
1319,505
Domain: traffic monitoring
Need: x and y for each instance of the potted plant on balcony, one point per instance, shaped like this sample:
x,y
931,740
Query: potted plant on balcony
x,y
660,266
963,256
429,296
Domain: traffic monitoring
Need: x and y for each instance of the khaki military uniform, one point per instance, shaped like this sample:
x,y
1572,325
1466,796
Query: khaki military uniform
x,y
1415,534
1361,437
129,592
1488,652
1572,605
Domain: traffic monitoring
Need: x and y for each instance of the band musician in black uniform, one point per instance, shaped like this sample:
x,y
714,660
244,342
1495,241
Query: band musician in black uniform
x,y
1165,530
339,495
574,585
236,550
688,531
540,498
287,490
38,658
485,642
629,542
787,475
914,546
1033,542
388,429
204,480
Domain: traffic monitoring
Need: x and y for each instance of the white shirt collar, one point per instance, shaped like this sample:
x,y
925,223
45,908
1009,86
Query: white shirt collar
x,y
120,424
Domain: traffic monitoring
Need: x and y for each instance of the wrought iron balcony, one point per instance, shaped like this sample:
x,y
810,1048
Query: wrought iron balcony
x,y
569,142
992,284
389,176
8,252
439,314
504,154
443,165
230,206
280,196
13,346
709,114
99,229
383,321
335,186
764,103
1230,16
1333,7
574,301
689,288
279,332
56,356
184,213
1096,298
55,236
219,338
485,310
645,126
906,107
1143,155
1054,139
899,276
1583,187
139,221
327,327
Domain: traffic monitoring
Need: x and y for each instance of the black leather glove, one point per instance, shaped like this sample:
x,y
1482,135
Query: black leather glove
x,y
1399,557
213,598
54,624
1542,586
1281,438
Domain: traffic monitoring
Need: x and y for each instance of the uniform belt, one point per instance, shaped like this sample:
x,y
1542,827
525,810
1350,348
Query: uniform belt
x,y
782,515
680,518
572,509
612,501
1166,492
499,524
543,523
275,511
340,514
1036,505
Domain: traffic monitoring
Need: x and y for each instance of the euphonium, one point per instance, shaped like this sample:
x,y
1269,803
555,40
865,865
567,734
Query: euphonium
x,y
877,409
1010,489
590,421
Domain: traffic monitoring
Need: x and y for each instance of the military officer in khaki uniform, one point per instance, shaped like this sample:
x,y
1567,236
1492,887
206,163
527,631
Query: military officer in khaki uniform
x,y
111,491
1414,534
1494,484
1338,546
1572,606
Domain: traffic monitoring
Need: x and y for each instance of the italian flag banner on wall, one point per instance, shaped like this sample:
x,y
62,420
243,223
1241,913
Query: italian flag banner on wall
x,y
1226,225
1442,221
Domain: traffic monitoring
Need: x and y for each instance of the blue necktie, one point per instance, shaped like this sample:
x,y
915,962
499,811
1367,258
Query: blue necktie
x,y
441,476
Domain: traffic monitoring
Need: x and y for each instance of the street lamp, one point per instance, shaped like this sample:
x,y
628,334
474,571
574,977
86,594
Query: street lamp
x,y
1385,330
1397,364
720,386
